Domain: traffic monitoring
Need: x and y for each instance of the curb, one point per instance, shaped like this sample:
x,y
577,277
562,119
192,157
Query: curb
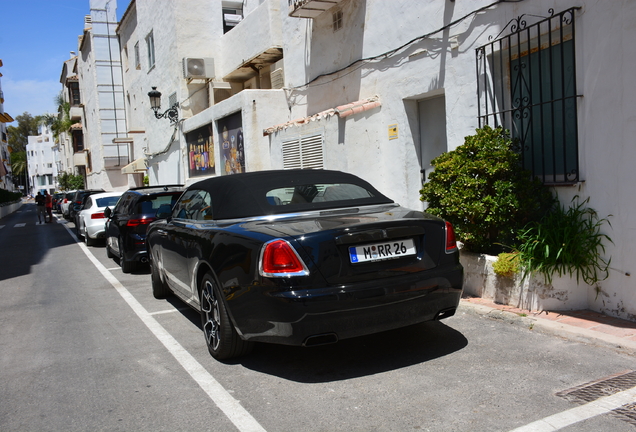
x,y
544,326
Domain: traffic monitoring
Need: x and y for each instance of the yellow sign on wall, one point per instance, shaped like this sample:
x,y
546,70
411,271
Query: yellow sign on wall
x,y
393,131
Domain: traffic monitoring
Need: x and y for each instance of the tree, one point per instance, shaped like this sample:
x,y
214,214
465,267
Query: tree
x,y
70,182
18,162
18,135
62,121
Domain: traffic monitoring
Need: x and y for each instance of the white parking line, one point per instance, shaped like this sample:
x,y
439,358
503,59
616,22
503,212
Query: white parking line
x,y
167,311
567,418
238,415
20,225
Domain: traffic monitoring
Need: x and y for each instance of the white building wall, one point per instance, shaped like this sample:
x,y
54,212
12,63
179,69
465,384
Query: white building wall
x,y
431,67
100,74
41,162
64,142
178,32
406,53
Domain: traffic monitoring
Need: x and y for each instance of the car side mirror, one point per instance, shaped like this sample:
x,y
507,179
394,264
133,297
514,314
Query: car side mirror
x,y
108,212
164,211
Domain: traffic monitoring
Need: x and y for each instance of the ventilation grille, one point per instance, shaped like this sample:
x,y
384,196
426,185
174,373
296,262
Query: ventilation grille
x,y
304,152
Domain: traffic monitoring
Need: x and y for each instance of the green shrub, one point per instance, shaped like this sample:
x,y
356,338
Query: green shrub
x,y
507,264
69,181
566,241
482,189
9,197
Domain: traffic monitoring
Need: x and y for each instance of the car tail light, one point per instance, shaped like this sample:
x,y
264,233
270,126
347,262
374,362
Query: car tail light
x,y
280,259
65,200
98,215
451,243
142,221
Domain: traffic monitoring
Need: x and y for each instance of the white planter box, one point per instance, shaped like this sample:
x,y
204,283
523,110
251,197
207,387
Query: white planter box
x,y
531,294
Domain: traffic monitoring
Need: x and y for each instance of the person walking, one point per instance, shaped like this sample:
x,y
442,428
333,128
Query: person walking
x,y
39,205
48,203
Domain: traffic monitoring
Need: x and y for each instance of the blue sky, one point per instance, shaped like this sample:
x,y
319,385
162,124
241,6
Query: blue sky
x,y
36,37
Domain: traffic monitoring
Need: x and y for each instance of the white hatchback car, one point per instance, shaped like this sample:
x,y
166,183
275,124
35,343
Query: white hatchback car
x,y
66,202
91,218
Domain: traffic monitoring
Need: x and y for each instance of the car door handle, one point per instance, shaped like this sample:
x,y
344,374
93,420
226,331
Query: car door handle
x,y
162,232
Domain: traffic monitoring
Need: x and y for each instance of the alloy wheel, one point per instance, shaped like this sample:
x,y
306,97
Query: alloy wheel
x,y
211,316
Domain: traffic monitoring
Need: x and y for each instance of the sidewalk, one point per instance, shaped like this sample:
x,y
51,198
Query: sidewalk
x,y
582,326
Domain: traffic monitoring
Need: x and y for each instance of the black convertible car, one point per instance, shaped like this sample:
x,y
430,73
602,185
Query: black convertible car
x,y
301,257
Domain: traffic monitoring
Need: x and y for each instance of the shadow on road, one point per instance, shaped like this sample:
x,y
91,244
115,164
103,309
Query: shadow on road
x,y
357,357
349,358
25,243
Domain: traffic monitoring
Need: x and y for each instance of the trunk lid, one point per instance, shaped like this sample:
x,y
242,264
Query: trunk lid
x,y
355,245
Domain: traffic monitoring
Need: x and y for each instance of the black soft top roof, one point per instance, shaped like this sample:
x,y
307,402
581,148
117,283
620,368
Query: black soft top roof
x,y
244,195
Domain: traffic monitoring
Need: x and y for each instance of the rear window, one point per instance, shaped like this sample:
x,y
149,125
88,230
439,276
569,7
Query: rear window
x,y
315,193
150,204
107,201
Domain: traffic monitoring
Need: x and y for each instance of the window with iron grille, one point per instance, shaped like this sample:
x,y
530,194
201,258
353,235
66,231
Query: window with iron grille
x,y
527,84
303,152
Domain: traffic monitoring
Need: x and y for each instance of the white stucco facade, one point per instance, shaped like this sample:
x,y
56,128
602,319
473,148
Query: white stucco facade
x,y
409,68
103,117
41,160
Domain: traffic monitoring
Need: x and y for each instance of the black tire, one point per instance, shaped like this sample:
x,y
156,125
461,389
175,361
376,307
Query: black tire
x,y
89,241
126,266
220,336
159,288
109,253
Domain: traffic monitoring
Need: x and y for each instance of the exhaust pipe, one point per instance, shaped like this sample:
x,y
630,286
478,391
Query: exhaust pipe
x,y
321,339
144,260
445,313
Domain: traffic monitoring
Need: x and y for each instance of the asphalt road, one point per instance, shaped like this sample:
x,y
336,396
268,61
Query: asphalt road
x,y
84,347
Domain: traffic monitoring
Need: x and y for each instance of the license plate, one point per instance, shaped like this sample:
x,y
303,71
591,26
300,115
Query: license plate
x,y
382,251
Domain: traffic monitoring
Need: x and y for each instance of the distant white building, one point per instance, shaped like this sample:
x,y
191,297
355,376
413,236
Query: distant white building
x,y
41,160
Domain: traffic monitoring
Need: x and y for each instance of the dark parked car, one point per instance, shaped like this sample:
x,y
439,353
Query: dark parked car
x,y
78,200
57,201
301,257
128,220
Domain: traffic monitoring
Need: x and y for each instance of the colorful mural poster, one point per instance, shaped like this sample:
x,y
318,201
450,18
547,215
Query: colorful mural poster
x,y
200,145
231,143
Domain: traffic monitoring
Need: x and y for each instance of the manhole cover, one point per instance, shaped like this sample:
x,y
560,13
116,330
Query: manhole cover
x,y
605,387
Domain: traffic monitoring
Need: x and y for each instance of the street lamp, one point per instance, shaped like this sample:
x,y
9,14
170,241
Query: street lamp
x,y
155,103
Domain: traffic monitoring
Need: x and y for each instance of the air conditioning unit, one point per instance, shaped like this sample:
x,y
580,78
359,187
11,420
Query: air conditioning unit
x,y
198,68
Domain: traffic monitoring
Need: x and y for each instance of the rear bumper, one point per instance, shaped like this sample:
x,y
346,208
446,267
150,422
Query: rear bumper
x,y
322,315
135,248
